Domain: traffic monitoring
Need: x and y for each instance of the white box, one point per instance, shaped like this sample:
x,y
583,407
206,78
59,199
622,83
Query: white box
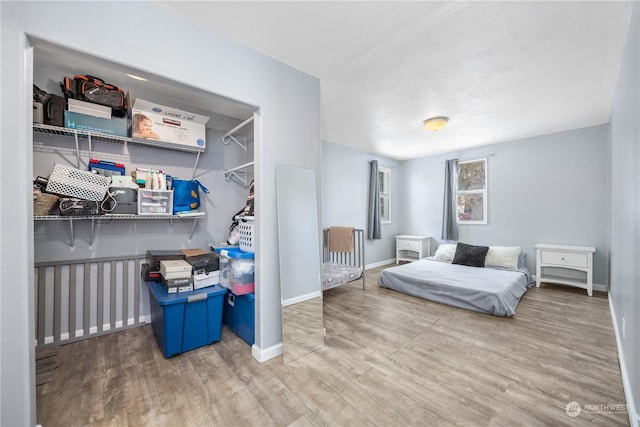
x,y
206,279
89,108
154,121
155,202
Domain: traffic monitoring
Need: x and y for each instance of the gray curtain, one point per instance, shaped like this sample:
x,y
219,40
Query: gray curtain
x,y
373,223
450,206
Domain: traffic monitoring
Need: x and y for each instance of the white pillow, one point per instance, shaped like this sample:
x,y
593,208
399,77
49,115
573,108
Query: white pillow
x,y
445,252
503,257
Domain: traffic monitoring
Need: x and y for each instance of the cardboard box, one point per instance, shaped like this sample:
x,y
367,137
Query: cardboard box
x,y
117,127
193,252
205,280
157,122
185,320
88,108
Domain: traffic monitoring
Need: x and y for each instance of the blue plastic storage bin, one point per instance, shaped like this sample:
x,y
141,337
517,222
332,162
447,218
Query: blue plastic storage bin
x,y
239,315
188,320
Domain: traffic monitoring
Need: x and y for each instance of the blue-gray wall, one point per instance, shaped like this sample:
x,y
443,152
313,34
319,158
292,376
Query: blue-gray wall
x,y
625,215
547,189
288,132
345,195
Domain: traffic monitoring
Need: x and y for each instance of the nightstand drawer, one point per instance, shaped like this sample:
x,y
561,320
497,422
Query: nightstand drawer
x,y
411,245
564,258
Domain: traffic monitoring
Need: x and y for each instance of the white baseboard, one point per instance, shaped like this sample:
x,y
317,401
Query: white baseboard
x,y
262,355
295,300
634,417
380,263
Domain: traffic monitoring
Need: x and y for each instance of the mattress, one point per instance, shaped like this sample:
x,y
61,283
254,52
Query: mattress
x,y
487,290
335,274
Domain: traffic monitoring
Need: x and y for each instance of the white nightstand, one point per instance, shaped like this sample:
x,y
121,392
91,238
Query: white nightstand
x,y
578,258
412,248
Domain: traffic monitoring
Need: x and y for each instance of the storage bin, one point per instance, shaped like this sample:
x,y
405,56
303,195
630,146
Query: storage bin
x,y
237,270
185,321
155,202
246,224
76,183
239,315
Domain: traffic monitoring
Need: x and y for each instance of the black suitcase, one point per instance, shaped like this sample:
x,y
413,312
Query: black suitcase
x,y
204,263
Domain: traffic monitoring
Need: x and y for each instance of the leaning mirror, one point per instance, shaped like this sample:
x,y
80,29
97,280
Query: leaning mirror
x,y
300,261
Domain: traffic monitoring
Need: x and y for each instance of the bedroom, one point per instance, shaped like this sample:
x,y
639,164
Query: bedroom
x,y
16,253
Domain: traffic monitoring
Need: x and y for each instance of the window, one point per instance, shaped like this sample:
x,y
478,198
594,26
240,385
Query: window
x,y
472,192
384,180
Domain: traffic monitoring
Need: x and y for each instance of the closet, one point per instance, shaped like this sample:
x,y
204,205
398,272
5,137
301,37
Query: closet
x,y
87,269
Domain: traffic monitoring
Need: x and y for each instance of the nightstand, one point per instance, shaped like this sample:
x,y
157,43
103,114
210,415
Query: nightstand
x,y
412,248
579,258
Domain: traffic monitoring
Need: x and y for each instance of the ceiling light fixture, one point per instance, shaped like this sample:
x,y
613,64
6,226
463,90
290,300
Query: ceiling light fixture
x,y
435,124
136,77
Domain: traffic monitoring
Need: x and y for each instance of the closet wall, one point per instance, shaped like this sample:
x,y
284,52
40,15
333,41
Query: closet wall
x,y
288,114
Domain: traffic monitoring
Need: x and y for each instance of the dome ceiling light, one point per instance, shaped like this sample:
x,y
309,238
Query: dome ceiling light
x,y
435,124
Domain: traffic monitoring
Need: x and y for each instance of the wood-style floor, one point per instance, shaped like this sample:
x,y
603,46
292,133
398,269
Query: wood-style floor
x,y
389,360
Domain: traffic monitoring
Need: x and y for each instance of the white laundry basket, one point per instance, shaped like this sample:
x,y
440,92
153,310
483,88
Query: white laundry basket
x,y
246,225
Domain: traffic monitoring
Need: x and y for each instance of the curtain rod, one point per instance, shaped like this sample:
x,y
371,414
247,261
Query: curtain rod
x,y
475,158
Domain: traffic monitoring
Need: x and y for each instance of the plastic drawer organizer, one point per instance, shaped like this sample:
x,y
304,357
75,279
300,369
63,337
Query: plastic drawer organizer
x,y
155,202
185,321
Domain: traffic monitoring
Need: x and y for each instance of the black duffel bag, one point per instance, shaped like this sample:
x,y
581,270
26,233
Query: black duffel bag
x,y
93,89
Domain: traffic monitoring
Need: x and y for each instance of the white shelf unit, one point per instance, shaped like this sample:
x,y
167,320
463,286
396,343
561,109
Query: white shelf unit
x,y
89,137
109,217
82,136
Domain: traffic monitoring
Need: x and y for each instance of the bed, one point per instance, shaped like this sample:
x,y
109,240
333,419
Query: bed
x,y
342,256
494,289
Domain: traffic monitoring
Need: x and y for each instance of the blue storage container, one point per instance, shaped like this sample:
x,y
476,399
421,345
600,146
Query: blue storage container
x,y
239,315
188,320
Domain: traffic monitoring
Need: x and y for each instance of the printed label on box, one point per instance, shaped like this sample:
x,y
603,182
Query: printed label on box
x,y
153,121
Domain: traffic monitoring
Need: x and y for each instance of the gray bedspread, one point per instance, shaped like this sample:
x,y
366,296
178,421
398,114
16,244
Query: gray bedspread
x,y
487,290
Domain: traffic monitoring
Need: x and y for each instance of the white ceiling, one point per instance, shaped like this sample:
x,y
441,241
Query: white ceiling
x,y
500,70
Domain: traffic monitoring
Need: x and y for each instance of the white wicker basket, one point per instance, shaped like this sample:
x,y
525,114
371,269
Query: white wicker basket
x,y
76,183
245,227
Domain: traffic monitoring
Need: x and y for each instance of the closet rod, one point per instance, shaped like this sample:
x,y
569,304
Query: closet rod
x,y
246,165
240,126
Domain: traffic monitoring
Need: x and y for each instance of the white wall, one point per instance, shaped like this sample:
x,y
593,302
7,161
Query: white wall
x,y
288,126
345,196
625,217
546,189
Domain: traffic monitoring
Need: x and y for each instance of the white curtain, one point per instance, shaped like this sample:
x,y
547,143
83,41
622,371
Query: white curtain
x,y
450,207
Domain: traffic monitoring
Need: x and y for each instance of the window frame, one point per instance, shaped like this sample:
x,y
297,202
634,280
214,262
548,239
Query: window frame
x,y
384,195
483,192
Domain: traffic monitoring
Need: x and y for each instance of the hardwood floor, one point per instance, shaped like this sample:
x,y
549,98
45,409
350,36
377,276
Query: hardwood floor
x,y
388,360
